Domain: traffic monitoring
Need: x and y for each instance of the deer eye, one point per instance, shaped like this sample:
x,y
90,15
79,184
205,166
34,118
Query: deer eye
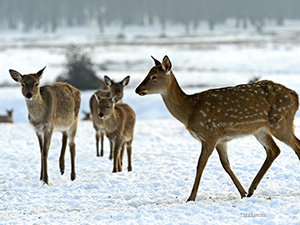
x,y
154,78
36,84
23,85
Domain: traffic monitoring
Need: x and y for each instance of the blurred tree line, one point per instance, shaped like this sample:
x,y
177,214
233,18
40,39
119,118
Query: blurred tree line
x,y
49,15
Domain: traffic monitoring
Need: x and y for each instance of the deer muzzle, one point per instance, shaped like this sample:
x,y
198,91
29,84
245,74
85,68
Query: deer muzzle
x,y
140,91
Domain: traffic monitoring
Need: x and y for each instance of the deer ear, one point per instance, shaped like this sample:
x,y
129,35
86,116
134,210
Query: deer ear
x,y
157,63
15,75
40,73
125,81
96,97
108,81
166,64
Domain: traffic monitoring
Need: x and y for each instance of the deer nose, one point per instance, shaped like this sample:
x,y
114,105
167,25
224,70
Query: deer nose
x,y
101,115
28,95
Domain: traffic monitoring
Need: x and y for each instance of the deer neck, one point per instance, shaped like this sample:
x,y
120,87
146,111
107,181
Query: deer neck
x,y
36,108
110,123
177,102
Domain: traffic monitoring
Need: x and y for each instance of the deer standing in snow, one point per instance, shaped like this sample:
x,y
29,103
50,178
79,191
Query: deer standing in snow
x,y
7,118
50,108
214,117
116,91
118,121
87,116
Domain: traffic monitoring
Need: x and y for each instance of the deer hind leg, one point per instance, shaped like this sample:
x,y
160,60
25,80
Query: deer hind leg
x,y
272,151
296,146
72,152
285,133
291,141
222,150
62,153
207,149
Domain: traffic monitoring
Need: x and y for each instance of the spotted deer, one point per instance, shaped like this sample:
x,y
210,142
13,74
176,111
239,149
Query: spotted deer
x,y
7,118
118,122
53,107
116,91
214,117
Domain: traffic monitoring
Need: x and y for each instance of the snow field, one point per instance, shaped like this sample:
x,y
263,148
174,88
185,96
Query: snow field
x,y
164,154
164,163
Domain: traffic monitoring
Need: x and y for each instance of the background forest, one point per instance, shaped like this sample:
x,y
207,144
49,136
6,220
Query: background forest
x,y
50,15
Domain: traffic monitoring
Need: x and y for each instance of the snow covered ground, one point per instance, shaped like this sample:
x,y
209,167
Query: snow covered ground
x,y
164,154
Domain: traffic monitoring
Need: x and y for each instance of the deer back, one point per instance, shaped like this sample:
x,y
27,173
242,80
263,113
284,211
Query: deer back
x,y
126,116
242,109
65,101
6,118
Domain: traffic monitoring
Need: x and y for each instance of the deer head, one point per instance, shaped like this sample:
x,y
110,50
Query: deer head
x,y
116,89
105,106
30,83
158,78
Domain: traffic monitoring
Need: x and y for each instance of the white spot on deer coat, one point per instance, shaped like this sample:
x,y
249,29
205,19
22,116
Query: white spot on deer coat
x,y
203,113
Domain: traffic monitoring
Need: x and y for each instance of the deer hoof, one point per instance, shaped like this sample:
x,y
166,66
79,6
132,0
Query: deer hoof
x,y
73,176
249,195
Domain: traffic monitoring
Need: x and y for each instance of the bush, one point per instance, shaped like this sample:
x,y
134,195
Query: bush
x,y
79,70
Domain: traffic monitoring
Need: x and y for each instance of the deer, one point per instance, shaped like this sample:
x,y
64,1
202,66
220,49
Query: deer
x,y
87,116
216,116
7,118
116,91
118,122
53,107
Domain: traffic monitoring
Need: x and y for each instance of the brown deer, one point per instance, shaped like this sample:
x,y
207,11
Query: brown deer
x,y
87,116
7,118
118,122
116,91
50,108
214,117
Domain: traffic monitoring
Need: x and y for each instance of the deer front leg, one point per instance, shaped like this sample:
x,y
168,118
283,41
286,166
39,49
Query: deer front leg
x,y
44,155
97,144
101,142
122,154
40,138
117,144
62,153
207,149
129,153
99,136
111,151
